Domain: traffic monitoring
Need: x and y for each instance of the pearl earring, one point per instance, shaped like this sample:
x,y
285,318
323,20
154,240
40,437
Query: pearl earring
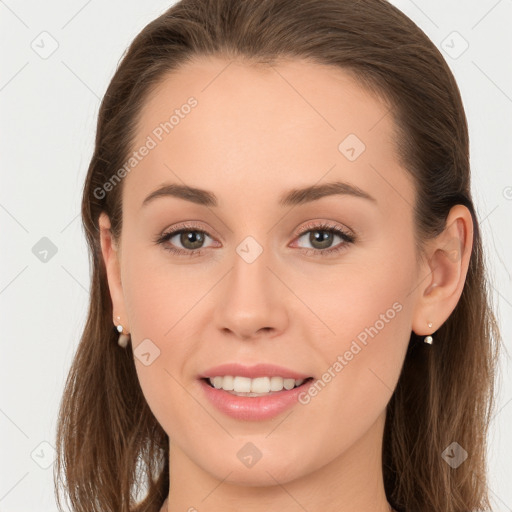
x,y
123,338
429,339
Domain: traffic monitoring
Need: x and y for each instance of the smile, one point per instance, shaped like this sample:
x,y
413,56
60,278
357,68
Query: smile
x,y
252,405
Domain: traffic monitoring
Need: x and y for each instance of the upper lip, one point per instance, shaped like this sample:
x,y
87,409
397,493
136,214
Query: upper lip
x,y
258,370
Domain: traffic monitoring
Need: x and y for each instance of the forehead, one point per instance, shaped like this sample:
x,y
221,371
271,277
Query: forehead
x,y
216,123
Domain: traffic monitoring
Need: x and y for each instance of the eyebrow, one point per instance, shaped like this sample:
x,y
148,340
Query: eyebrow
x,y
293,197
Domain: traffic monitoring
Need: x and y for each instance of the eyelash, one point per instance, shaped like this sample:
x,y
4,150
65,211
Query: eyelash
x,y
348,238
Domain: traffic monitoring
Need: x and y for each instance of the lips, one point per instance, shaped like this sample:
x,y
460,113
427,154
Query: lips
x,y
253,408
252,372
247,405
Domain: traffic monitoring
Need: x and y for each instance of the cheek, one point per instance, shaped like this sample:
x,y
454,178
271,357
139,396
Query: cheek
x,y
163,302
367,309
158,294
360,363
367,297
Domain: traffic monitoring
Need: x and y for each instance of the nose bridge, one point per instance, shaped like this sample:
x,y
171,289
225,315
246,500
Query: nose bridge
x,y
251,300
249,279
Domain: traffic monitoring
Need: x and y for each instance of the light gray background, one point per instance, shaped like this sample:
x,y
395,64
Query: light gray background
x,y
49,108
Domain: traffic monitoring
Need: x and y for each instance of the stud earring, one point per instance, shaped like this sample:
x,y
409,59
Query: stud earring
x,y
123,337
429,339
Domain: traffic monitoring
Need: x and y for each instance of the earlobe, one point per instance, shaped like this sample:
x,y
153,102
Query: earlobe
x,y
446,269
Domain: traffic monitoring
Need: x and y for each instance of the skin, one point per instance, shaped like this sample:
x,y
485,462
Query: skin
x,y
254,127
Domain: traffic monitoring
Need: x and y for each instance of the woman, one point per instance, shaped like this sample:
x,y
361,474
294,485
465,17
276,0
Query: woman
x,y
288,307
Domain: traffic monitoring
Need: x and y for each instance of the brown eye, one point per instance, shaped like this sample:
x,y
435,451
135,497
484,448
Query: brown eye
x,y
321,239
183,241
191,239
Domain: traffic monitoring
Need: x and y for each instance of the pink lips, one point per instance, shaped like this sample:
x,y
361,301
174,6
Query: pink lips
x,y
255,408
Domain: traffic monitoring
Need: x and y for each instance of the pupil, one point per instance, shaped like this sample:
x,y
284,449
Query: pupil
x,y
324,239
193,237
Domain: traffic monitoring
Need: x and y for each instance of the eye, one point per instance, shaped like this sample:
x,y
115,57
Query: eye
x,y
322,236
189,237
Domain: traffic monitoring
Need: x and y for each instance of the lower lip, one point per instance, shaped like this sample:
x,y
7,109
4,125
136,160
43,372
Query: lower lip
x,y
253,408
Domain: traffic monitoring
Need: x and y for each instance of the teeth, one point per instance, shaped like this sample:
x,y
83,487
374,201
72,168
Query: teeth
x,y
254,387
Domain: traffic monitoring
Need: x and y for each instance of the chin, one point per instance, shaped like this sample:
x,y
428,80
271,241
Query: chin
x,y
270,470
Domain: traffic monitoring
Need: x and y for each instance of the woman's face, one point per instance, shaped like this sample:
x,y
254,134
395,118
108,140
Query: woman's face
x,y
268,283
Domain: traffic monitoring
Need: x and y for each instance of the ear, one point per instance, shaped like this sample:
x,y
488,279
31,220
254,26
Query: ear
x,y
110,253
445,269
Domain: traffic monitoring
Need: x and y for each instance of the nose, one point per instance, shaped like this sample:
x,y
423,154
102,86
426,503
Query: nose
x,y
252,302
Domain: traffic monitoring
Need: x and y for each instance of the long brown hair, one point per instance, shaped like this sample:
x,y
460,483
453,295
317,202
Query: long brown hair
x,y
110,448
